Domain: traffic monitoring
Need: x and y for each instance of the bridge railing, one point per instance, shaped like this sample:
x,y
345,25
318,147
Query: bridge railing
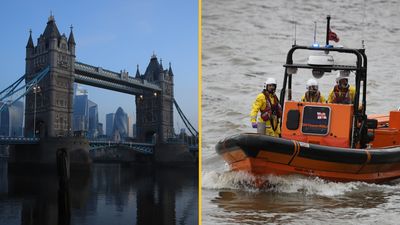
x,y
119,142
146,148
4,140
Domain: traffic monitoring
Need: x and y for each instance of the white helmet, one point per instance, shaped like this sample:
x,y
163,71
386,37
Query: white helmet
x,y
342,74
311,82
270,80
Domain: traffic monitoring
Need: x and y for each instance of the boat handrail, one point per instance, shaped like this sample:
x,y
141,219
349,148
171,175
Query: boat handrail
x,y
359,115
334,67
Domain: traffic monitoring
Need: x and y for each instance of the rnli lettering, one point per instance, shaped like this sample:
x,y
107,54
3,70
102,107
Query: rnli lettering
x,y
321,116
316,120
315,125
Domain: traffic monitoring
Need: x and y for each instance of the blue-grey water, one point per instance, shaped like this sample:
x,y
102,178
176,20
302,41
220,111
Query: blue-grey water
x,y
244,42
109,194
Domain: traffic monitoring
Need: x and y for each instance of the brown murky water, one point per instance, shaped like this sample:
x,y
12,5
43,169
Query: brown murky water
x,y
244,42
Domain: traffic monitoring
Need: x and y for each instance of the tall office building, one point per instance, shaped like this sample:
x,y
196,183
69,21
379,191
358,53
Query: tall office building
x,y
120,129
86,115
93,119
11,119
80,120
100,129
130,128
110,124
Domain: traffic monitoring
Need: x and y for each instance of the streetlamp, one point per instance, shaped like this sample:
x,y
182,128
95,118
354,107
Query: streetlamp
x,y
36,89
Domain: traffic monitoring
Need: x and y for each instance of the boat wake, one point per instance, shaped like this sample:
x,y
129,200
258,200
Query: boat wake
x,y
288,184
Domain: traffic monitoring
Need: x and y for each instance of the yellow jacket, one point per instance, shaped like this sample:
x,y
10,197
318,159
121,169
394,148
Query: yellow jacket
x,y
260,104
321,98
337,96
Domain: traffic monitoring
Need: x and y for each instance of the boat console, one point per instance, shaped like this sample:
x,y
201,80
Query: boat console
x,y
318,123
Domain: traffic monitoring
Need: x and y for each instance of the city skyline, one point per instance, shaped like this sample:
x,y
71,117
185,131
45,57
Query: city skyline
x,y
11,118
122,41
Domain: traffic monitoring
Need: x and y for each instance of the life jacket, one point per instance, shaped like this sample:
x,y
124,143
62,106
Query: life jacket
x,y
342,97
309,98
271,109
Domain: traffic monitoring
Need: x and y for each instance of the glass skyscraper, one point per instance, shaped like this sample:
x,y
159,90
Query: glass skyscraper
x,y
120,130
81,113
93,119
11,119
86,115
110,124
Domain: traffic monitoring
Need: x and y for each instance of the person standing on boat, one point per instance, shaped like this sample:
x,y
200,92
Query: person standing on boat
x,y
342,93
312,94
267,104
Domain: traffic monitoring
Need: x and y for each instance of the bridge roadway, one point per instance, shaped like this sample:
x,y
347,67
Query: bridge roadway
x,y
144,148
121,82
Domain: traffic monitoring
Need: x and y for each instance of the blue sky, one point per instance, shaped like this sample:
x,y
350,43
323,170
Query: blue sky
x,y
115,35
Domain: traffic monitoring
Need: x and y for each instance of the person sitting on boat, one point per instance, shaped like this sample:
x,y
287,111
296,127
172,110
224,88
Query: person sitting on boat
x,y
342,93
267,104
312,94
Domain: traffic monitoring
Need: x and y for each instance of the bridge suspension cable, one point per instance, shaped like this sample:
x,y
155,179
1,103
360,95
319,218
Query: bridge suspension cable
x,y
13,90
187,123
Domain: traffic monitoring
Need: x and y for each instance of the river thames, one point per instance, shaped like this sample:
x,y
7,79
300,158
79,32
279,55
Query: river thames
x,y
108,194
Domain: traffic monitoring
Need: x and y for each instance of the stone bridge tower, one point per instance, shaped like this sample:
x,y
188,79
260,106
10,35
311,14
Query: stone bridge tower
x,y
154,110
52,110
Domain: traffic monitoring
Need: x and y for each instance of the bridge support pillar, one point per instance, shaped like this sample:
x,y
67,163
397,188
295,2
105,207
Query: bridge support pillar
x,y
49,108
173,154
154,110
44,154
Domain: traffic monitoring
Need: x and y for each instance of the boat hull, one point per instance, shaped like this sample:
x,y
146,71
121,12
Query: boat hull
x,y
265,155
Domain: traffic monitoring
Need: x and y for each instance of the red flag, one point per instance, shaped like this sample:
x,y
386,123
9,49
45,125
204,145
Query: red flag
x,y
333,36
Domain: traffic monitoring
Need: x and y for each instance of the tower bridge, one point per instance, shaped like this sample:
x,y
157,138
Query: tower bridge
x,y
49,99
153,90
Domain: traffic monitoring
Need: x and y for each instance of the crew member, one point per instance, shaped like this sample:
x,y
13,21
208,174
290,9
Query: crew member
x,y
267,104
312,94
342,93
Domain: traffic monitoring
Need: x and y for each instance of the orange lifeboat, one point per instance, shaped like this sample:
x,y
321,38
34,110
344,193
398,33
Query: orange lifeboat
x,y
337,142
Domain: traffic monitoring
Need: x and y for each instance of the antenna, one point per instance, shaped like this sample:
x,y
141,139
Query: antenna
x,y
295,31
328,19
364,25
315,32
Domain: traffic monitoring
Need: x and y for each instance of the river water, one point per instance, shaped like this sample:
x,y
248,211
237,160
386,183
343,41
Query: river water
x,y
109,194
244,42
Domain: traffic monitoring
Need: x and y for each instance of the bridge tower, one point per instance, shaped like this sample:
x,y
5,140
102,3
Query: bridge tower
x,y
154,110
52,110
